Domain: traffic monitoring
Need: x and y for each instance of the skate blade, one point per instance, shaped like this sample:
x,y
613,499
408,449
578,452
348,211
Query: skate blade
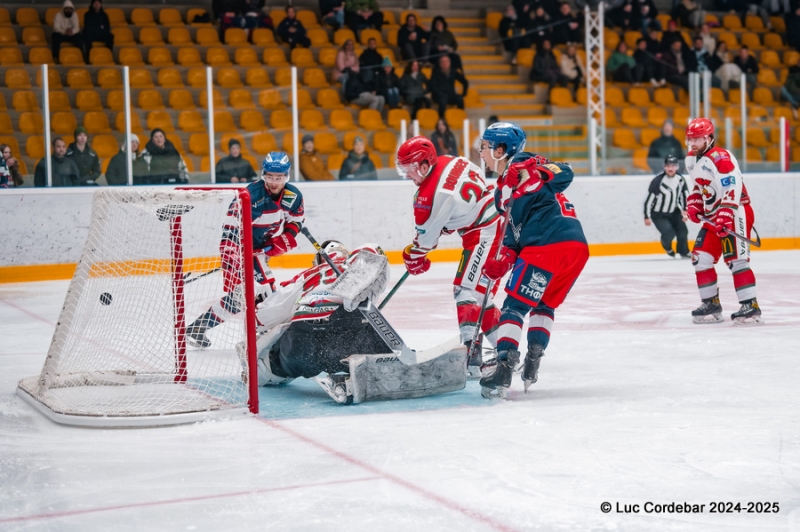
x,y
493,393
711,318
748,322
335,390
473,373
197,344
528,384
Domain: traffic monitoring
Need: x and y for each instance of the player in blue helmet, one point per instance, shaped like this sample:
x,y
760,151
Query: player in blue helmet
x,y
505,135
278,214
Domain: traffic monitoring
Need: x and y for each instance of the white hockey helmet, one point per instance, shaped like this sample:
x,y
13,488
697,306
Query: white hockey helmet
x,y
335,250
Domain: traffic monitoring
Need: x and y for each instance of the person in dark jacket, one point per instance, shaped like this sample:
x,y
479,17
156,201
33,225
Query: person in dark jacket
x,y
64,170
96,27
388,84
358,165
625,17
444,42
675,60
363,14
568,27
649,67
749,67
165,164
791,89
663,146
443,139
234,168
413,40
291,31
413,88
117,171
357,92
85,157
538,27
545,67
512,32
332,12
443,85
370,62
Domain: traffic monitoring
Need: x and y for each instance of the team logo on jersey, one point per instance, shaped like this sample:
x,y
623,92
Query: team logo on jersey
x,y
287,199
707,169
554,168
716,156
728,181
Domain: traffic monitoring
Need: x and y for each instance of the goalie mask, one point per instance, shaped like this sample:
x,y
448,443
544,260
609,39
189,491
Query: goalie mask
x,y
372,248
335,250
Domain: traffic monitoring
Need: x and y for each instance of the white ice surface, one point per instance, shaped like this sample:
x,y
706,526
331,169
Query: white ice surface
x,y
634,403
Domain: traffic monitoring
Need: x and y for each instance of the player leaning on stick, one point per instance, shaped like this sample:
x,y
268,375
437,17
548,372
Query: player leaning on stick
x,y
453,196
543,243
277,210
718,194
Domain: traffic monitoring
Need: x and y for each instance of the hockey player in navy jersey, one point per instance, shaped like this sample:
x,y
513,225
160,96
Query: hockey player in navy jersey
x,y
277,214
544,246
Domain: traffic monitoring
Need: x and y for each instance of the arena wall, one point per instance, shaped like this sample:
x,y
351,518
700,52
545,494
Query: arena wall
x,y
45,229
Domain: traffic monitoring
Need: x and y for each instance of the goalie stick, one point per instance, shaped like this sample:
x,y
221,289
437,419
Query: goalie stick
x,y
755,243
393,290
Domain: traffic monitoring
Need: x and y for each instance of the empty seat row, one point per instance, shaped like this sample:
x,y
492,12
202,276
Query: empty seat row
x,y
29,16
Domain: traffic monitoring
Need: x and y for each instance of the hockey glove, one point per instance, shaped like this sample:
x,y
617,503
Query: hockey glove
x,y
280,245
496,268
724,222
694,207
415,265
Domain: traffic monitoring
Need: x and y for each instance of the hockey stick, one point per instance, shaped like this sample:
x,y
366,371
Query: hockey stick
x,y
187,280
319,249
755,243
393,290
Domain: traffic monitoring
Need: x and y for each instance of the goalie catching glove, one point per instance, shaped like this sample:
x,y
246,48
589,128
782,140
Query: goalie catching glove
x,y
416,263
280,244
724,222
694,207
496,268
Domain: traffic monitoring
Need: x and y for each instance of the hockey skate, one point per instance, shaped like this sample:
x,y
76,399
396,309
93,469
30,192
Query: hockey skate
x,y
530,371
710,311
748,314
475,358
196,336
337,386
497,375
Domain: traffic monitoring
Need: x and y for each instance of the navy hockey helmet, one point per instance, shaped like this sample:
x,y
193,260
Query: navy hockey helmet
x,y
505,134
276,162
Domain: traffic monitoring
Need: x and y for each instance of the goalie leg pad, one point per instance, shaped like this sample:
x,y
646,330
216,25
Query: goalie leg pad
x,y
264,344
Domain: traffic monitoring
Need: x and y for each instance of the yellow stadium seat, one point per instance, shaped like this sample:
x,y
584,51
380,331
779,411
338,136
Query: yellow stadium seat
x,y
189,57
40,56
140,78
640,159
207,37
728,38
370,119
115,100
169,16
525,57
611,38
31,123
150,99
326,143
350,137
109,78
217,56
639,96
763,96
770,59
264,143
219,102
257,78
455,118
88,100
123,37
236,37
169,78
632,117
223,121
17,78
275,57
308,18
151,37
63,123
246,57
100,56
368,34
718,97
302,57
263,37
656,116
227,137
665,97
624,138
753,23
116,17
767,78
270,99
105,146
318,37
314,77
191,121
180,99
648,135
27,16
791,58
681,116
136,124
196,12
754,155
735,96
614,97
131,57
228,78
312,120
142,16
34,147
160,119
384,142
376,160
493,19
329,99
773,155
283,77
59,101
751,40
280,119
343,34
561,97
277,15
7,128
342,120
757,138
395,116
303,99
198,143
335,161
71,56
24,101
327,56
252,120
160,56
96,122
196,77
179,37
33,36
5,20
53,79
79,78
8,37
427,118
732,22
241,99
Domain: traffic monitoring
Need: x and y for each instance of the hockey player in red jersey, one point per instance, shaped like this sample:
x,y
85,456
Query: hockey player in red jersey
x,y
718,193
453,196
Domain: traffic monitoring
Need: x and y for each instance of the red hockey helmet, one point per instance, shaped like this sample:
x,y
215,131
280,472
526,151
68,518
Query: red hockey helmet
x,y
699,128
412,153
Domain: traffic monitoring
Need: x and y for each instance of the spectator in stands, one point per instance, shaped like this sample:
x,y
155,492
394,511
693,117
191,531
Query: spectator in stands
x,y
671,35
346,63
791,89
12,164
523,8
648,15
689,13
363,14
700,61
413,40
567,29
234,168
749,66
370,61
538,27
622,67
358,165
572,66
413,88
67,28
357,92
675,60
96,27
311,165
664,146
165,165
443,85
625,17
291,31
444,42
654,45
85,157
117,171
722,67
246,14
388,84
64,171
512,32
709,42
332,12
443,139
648,65
545,67
793,27
758,8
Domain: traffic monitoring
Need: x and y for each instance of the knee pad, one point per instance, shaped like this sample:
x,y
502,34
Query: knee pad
x,y
739,265
466,295
702,260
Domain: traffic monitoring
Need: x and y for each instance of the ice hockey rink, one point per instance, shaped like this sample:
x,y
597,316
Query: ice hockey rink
x,y
634,405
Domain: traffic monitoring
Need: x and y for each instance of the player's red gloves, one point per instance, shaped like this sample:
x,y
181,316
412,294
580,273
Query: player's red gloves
x,y
415,265
523,177
497,268
724,222
280,244
694,207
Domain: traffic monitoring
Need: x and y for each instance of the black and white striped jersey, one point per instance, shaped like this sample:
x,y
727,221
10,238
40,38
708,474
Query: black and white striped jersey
x,y
666,195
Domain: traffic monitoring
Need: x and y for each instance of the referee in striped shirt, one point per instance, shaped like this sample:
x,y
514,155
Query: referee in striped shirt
x,y
665,207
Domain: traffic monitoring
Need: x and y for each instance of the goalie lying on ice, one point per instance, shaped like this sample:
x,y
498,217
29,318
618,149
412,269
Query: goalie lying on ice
x,y
321,322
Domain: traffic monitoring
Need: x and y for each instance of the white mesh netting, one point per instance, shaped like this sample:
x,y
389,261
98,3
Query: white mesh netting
x,y
117,350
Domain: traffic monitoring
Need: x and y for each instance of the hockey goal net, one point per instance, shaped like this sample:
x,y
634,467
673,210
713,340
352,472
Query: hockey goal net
x,y
151,265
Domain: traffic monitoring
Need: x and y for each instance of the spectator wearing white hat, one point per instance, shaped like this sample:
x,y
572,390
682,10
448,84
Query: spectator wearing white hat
x,y
67,28
117,171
